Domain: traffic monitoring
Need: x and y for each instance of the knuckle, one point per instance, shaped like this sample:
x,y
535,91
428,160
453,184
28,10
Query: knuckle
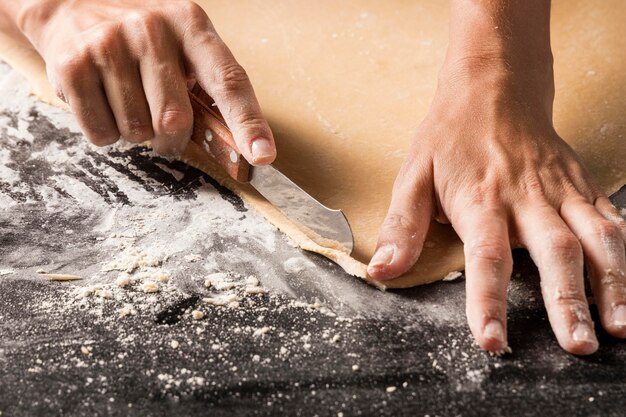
x,y
606,231
491,250
198,27
231,77
175,122
563,243
398,222
571,298
485,194
144,22
577,170
72,66
136,130
204,37
194,12
490,301
615,279
140,19
103,44
251,121
612,214
533,186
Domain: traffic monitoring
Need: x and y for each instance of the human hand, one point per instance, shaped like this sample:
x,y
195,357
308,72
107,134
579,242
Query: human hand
x,y
124,67
487,159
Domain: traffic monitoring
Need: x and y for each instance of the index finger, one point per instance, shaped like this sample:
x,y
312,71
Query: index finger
x,y
221,76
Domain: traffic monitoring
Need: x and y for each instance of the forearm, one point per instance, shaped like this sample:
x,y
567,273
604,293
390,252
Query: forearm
x,y
504,44
517,31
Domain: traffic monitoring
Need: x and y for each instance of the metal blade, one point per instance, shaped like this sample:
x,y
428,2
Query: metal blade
x,y
296,204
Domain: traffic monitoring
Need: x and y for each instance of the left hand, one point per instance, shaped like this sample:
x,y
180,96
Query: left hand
x,y
488,160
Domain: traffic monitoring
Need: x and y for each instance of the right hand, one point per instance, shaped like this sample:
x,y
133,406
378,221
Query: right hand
x,y
123,67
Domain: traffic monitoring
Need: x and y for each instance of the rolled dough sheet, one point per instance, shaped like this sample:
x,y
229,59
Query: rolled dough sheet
x,y
344,85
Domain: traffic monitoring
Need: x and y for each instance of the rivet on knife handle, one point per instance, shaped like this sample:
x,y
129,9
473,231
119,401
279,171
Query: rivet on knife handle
x,y
211,133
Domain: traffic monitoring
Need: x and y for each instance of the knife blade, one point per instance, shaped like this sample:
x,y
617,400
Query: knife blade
x,y
212,134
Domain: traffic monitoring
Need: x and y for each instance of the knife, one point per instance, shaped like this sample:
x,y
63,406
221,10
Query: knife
x,y
214,137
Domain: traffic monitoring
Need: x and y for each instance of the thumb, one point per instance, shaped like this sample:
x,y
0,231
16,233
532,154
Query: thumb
x,y
402,234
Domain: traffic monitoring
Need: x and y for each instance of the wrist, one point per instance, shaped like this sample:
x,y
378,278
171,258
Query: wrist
x,y
501,48
472,65
513,33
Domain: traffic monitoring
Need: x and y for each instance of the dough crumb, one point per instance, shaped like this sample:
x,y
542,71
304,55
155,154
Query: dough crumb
x,y
220,281
85,292
197,315
125,311
391,389
123,280
255,290
103,293
150,287
224,286
261,331
452,276
163,277
221,301
131,260
355,368
218,276
194,257
86,350
174,344
252,281
62,277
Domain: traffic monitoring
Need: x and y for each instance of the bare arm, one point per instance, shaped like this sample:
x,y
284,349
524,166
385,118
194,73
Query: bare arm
x,y
488,160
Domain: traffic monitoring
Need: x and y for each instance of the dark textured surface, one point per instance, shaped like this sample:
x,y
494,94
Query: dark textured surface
x,y
415,340
537,379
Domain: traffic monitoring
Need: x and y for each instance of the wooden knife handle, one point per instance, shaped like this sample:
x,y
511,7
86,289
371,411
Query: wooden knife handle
x,y
214,137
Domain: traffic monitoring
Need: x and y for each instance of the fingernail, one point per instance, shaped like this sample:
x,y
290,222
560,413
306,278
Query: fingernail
x,y
619,315
382,258
583,333
494,331
262,150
